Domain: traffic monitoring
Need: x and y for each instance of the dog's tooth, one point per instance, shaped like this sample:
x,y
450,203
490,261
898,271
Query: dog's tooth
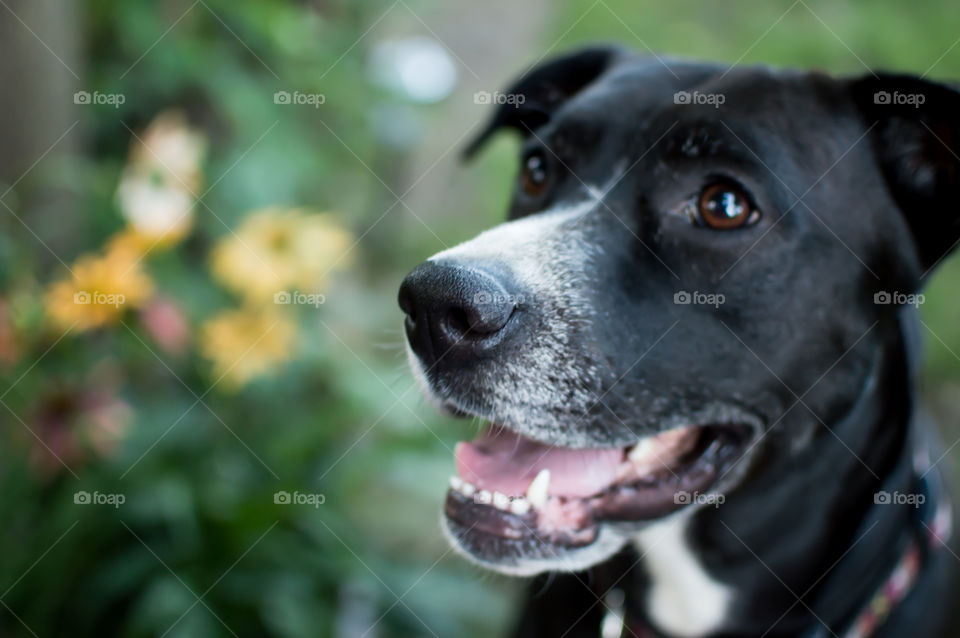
x,y
643,450
520,506
467,489
456,483
501,501
538,492
484,497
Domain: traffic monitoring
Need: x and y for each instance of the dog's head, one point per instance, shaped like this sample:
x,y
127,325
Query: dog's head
x,y
690,251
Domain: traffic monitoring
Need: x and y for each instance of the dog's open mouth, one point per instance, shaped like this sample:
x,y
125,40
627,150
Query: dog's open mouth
x,y
516,489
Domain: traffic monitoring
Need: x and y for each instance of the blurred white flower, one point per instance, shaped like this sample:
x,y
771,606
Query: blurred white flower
x,y
419,68
155,210
171,148
159,185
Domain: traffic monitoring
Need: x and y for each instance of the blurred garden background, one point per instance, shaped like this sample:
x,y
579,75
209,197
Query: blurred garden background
x,y
206,208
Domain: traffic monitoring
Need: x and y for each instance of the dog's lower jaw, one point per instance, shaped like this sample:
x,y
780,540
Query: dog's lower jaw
x,y
683,599
609,541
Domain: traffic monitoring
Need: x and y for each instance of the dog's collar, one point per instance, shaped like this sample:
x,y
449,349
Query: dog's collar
x,y
933,529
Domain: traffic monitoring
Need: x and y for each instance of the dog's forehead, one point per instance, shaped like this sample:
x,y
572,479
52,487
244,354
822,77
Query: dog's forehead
x,y
642,114
645,95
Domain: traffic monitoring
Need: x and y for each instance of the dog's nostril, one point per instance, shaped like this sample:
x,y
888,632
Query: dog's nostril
x,y
458,323
474,322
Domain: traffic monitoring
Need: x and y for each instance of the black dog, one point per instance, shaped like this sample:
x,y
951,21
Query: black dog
x,y
696,344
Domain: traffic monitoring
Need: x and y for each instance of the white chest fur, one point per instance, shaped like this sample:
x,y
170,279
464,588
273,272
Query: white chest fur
x,y
684,599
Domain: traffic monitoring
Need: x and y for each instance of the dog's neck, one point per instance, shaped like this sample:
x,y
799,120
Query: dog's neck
x,y
811,539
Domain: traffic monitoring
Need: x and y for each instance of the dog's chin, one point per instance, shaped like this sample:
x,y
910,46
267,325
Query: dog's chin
x,y
534,556
522,506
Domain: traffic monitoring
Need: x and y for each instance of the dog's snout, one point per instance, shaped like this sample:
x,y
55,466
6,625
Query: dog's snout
x,y
454,310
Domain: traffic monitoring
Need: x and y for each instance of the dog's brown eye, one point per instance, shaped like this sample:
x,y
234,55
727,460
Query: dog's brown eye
x,y
534,177
724,206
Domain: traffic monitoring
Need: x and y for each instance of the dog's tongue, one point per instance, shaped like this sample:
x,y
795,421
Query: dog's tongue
x,y
502,461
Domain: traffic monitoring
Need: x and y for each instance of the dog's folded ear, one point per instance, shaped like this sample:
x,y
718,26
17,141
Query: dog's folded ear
x,y
916,138
534,96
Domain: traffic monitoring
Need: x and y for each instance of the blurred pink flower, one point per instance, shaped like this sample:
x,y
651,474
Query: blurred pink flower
x,y
167,325
79,424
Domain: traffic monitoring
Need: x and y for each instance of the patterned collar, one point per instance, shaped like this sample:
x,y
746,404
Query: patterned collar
x,y
934,530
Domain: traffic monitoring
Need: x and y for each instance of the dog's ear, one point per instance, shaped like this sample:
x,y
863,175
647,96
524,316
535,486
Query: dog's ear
x,y
916,139
534,96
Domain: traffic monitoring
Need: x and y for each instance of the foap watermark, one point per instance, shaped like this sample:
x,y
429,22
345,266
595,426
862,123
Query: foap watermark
x,y
97,98
896,98
886,298
99,498
497,97
297,298
697,298
696,97
484,298
899,498
299,498
97,298
698,498
298,98
516,504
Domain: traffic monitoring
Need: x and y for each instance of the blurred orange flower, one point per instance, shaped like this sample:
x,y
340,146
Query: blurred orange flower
x,y
245,344
9,348
101,287
275,249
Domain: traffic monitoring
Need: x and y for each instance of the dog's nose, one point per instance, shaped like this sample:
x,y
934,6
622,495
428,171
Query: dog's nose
x,y
454,310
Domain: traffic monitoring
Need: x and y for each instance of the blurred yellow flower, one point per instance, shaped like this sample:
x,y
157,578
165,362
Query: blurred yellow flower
x,y
275,249
160,182
245,344
101,287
